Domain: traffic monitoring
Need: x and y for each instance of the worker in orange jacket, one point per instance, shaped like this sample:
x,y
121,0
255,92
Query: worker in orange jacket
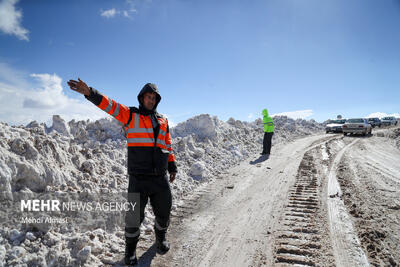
x,y
150,156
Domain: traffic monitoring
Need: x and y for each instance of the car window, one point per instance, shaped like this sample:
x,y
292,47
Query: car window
x,y
355,121
338,121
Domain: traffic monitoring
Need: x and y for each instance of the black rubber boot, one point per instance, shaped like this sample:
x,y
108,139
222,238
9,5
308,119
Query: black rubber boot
x,y
161,243
130,250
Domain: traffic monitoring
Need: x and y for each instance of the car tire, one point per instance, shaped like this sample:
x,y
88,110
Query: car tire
x,y
344,134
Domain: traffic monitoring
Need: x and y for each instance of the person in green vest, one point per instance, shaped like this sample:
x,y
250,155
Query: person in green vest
x,y
268,132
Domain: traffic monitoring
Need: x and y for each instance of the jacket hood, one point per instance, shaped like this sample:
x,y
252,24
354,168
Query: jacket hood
x,y
149,88
265,112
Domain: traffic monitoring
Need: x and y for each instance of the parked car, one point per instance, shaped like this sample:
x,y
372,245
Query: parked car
x,y
375,122
388,121
357,126
335,126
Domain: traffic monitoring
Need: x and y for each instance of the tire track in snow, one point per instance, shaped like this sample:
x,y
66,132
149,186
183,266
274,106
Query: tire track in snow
x,y
209,231
346,245
298,241
305,236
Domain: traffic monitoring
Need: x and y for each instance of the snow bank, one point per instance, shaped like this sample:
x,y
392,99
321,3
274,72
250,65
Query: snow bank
x,y
393,133
90,157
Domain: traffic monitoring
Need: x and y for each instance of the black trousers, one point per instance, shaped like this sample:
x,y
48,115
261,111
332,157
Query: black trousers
x,y
267,143
157,189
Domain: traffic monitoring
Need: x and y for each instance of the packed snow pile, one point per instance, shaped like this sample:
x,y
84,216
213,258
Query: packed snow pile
x,y
392,134
90,158
205,146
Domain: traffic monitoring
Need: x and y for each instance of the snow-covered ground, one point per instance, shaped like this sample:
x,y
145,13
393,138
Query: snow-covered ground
x,y
285,211
369,176
90,158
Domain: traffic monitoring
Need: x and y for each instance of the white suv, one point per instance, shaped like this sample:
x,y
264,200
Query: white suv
x,y
335,126
389,121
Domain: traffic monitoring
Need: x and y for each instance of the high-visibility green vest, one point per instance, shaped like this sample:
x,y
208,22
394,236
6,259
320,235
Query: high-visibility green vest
x,y
268,122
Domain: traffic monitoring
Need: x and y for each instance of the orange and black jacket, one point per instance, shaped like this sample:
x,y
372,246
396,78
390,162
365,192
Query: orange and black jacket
x,y
149,141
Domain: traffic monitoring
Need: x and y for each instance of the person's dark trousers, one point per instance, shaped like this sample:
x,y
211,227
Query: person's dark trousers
x,y
157,189
267,143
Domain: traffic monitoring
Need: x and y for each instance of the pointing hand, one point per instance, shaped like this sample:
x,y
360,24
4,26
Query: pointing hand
x,y
79,86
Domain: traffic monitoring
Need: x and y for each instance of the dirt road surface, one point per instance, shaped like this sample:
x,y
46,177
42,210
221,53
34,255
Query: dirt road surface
x,y
323,200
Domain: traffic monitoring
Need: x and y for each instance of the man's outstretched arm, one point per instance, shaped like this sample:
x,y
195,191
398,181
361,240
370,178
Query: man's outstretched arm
x,y
117,110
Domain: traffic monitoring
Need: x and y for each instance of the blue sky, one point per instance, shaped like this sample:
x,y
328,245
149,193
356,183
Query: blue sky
x,y
315,59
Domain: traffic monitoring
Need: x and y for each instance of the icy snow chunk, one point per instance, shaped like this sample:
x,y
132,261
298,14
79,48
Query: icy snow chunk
x,y
17,252
202,126
14,235
60,125
80,134
31,152
88,166
18,146
103,129
18,132
21,147
196,151
50,239
32,124
96,246
28,175
84,253
99,232
76,160
179,144
197,170
30,236
236,123
118,169
52,177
